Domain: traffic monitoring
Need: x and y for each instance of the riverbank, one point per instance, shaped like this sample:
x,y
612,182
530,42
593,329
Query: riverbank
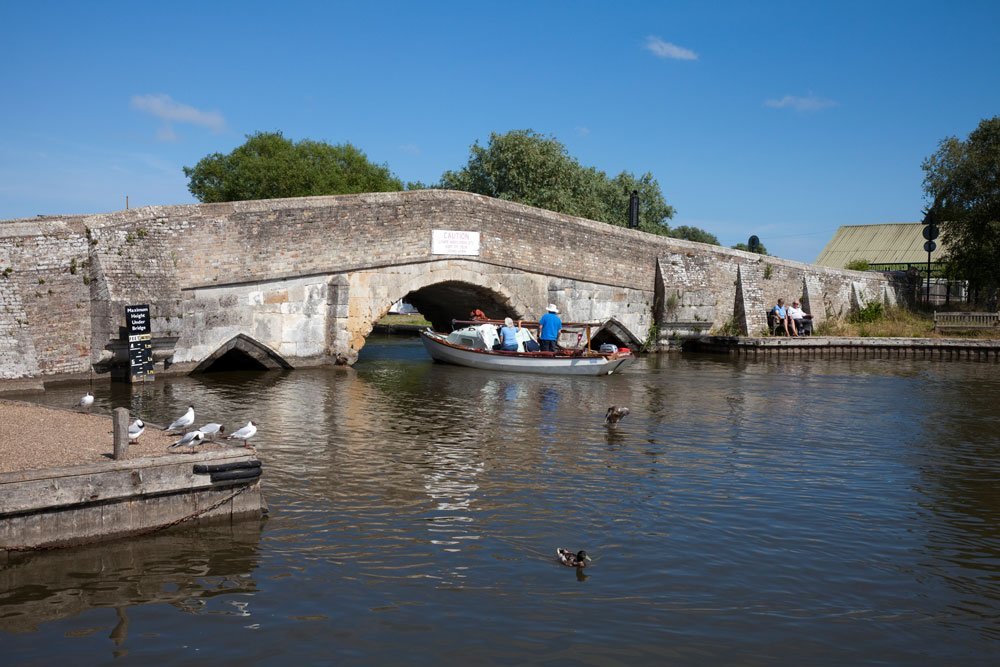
x,y
33,437
944,349
59,484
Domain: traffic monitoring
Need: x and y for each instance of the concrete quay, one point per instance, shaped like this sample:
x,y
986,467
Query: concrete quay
x,y
944,349
60,487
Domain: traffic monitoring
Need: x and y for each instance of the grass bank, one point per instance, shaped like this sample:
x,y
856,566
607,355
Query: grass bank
x,y
877,321
404,320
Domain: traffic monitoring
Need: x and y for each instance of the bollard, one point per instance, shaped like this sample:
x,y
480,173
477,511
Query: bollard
x,y
119,417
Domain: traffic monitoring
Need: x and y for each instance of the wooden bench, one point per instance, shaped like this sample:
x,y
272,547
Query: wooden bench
x,y
776,328
966,321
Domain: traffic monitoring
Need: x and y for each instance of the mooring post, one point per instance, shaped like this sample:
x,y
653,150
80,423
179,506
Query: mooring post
x,y
119,417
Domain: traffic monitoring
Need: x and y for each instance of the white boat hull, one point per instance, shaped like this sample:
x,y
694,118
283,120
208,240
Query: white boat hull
x,y
523,362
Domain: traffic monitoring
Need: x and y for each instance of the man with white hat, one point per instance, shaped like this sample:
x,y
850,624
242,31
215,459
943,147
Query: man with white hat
x,y
548,329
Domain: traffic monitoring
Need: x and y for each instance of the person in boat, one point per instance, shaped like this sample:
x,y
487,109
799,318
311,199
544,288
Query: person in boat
x,y
549,326
508,335
478,315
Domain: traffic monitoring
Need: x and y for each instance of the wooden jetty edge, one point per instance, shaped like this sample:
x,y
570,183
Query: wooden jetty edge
x,y
945,349
60,487
53,507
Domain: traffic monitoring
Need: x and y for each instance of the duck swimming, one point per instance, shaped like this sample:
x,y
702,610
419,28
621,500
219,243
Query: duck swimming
x,y
615,414
570,559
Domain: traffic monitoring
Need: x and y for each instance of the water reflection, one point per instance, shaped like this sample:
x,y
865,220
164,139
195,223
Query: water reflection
x,y
185,569
803,511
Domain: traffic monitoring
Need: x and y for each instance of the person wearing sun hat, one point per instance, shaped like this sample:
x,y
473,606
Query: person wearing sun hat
x,y
549,326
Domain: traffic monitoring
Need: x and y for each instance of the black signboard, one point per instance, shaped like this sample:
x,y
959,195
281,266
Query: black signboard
x,y
140,342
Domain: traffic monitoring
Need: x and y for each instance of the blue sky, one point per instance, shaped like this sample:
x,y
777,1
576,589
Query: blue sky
x,y
780,119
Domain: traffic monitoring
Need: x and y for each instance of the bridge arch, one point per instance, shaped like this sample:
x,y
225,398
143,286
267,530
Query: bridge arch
x,y
241,352
450,289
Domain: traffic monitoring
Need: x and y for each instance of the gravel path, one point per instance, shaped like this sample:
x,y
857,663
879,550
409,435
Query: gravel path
x,y
34,436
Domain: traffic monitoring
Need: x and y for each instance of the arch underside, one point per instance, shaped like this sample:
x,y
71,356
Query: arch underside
x,y
440,303
242,353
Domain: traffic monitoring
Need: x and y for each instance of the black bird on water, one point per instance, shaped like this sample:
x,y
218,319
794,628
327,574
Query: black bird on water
x,y
615,414
570,559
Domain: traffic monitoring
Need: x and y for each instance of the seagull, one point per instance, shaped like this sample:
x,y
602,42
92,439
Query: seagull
x,y
570,559
244,434
615,414
212,430
86,401
183,421
190,438
135,429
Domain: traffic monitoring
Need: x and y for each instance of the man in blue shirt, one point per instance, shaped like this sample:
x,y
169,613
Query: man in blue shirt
x,y
548,329
781,315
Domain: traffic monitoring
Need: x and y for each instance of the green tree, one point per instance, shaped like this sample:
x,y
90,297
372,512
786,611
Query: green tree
x,y
269,166
537,170
761,250
962,180
693,234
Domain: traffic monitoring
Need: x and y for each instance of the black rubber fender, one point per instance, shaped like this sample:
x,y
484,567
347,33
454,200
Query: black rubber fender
x,y
229,475
202,469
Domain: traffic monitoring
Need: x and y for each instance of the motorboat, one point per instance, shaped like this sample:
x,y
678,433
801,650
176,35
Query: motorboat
x,y
472,345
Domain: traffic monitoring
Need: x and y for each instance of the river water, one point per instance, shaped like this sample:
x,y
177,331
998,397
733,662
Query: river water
x,y
820,512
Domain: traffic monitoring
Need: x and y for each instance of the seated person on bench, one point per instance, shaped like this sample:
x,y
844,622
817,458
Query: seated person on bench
x,y
801,323
779,315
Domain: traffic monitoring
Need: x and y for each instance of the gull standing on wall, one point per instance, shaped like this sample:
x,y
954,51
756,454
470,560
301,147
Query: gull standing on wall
x,y
245,433
135,429
192,438
183,421
212,430
86,401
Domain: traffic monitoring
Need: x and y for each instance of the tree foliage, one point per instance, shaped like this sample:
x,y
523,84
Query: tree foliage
x,y
760,250
269,166
529,168
962,180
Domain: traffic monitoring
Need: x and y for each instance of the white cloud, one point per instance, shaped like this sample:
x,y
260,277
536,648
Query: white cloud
x,y
582,131
799,103
662,49
170,111
412,149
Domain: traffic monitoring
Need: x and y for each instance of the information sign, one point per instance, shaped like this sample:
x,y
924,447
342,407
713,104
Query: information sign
x,y
140,342
453,242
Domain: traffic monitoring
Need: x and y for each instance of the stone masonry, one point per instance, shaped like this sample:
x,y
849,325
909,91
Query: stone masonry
x,y
306,279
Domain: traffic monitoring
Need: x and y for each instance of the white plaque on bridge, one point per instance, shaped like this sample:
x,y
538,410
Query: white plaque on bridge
x,y
450,242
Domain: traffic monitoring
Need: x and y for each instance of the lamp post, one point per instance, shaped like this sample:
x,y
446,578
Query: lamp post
x,y
931,232
633,210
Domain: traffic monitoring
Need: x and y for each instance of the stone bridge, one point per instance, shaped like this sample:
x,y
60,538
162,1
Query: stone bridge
x,y
295,282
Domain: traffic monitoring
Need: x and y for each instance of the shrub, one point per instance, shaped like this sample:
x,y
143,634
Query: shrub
x,y
873,312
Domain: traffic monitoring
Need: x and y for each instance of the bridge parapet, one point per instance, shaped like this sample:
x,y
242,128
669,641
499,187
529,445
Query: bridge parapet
x,y
307,278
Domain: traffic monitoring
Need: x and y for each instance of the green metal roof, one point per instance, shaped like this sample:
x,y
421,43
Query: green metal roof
x,y
895,243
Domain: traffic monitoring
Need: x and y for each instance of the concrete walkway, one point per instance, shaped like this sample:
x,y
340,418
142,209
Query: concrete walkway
x,y
33,437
